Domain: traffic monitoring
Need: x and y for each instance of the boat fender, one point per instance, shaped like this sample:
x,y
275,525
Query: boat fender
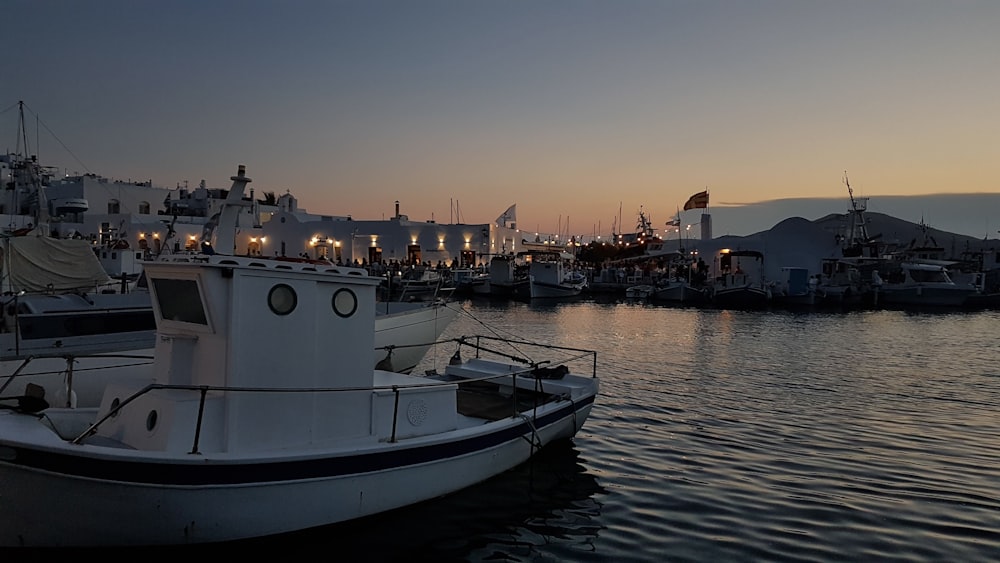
x,y
385,363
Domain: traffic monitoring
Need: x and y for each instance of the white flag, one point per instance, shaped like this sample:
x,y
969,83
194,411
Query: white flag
x,y
509,216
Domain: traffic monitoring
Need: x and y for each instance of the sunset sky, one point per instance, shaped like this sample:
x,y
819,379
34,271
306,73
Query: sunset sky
x,y
571,109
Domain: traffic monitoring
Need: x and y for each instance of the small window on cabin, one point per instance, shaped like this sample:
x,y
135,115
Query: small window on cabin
x,y
345,302
282,299
180,300
143,208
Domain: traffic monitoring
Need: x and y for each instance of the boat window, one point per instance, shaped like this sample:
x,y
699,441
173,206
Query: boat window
x,y
929,276
345,302
282,299
179,300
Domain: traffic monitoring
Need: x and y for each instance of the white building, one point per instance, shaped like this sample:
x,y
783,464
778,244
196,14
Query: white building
x,y
130,221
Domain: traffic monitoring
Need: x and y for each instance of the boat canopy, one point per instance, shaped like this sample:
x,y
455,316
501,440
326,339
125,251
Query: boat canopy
x,y
33,263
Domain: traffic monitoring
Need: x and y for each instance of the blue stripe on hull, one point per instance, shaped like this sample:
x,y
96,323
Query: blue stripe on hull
x,y
213,472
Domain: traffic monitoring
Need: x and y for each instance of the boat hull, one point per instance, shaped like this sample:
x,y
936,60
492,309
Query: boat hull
x,y
679,293
741,298
405,332
545,290
200,499
930,296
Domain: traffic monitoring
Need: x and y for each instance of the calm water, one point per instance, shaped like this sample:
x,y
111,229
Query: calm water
x,y
732,436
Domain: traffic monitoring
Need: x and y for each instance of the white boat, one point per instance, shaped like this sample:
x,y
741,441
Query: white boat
x,y
74,371
922,284
470,281
507,278
641,291
740,281
846,282
677,290
795,288
266,417
549,279
73,344
405,331
418,283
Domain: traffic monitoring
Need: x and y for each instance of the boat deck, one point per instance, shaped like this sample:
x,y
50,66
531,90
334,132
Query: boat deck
x,y
484,400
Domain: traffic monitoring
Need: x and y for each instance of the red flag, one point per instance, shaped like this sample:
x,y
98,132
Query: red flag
x,y
697,201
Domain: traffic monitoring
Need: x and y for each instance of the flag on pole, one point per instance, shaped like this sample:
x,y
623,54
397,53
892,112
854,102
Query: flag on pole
x,y
674,223
509,216
697,201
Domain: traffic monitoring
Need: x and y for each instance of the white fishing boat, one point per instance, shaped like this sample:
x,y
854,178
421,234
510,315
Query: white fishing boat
x,y
73,343
550,280
921,284
641,291
266,417
794,288
470,281
740,281
507,278
74,369
678,290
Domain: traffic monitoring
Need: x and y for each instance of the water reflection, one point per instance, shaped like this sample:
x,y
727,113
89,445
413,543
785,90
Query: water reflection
x,y
551,501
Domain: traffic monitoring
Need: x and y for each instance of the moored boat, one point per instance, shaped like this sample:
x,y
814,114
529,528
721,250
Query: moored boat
x,y
740,282
550,280
266,417
795,288
72,343
921,284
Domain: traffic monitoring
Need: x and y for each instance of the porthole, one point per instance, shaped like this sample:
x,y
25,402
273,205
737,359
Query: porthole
x,y
282,299
345,302
151,421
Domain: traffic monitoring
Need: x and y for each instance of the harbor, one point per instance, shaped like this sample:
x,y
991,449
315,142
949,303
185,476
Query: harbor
x,y
725,435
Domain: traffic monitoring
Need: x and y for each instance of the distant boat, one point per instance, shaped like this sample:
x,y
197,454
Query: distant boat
x,y
683,285
419,283
507,279
642,291
740,280
921,284
678,291
550,280
846,282
470,281
795,288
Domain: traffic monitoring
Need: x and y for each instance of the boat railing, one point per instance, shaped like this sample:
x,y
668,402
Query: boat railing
x,y
70,359
531,369
481,344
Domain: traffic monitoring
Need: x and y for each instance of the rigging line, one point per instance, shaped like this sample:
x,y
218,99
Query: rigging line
x,y
58,140
496,332
8,108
